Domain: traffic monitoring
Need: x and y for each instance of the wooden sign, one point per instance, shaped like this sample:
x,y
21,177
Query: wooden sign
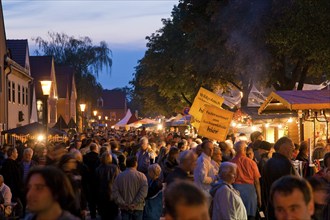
x,y
203,97
215,123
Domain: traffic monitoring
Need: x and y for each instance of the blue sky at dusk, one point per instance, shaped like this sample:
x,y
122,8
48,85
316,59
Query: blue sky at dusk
x,y
122,24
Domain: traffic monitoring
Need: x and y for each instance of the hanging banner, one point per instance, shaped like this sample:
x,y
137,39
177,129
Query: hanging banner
x,y
202,98
215,123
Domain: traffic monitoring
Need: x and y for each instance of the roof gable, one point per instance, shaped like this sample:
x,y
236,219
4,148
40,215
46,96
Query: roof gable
x,y
19,51
41,69
64,77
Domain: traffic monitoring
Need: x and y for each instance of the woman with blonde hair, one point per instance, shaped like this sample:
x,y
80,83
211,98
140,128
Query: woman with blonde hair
x,y
154,204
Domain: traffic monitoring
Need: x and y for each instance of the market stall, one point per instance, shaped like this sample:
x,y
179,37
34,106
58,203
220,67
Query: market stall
x,y
311,106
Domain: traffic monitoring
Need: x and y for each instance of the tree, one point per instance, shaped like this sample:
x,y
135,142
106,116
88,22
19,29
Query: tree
x,y
86,59
298,39
242,42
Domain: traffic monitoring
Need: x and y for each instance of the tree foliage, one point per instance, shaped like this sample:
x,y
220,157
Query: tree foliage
x,y
211,43
86,59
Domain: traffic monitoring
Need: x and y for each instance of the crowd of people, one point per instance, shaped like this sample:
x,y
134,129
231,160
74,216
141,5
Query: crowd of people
x,y
148,175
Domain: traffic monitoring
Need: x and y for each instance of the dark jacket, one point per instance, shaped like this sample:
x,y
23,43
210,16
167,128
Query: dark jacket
x,y
275,168
13,177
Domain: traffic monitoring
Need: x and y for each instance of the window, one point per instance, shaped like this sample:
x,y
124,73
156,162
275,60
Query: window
x,y
13,91
23,95
9,91
26,95
39,110
19,93
99,102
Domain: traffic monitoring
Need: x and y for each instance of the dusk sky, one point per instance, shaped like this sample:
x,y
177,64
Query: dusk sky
x,y
122,24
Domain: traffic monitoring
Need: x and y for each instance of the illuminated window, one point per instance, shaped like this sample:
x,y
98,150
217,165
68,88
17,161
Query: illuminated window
x,y
39,110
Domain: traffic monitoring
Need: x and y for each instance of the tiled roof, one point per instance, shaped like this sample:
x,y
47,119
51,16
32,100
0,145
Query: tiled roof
x,y
114,99
18,49
64,77
41,67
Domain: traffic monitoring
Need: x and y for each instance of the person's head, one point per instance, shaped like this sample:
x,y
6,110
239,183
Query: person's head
x,y
173,153
303,147
284,146
131,162
217,155
198,149
228,172
320,190
67,163
256,135
326,160
240,147
27,154
154,171
250,153
94,148
208,147
188,160
46,188
144,142
77,155
318,153
183,144
114,145
12,153
184,200
292,198
106,158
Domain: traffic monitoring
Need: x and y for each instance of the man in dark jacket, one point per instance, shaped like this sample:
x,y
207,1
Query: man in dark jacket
x,y
12,173
276,167
91,160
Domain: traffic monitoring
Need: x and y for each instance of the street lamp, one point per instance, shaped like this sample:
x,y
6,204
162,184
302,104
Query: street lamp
x,y
82,109
94,113
46,86
106,118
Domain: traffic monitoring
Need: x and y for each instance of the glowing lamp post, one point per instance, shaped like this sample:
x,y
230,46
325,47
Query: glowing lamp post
x,y
46,86
82,109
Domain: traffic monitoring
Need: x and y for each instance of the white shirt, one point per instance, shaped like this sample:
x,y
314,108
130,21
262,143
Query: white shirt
x,y
6,193
228,205
204,173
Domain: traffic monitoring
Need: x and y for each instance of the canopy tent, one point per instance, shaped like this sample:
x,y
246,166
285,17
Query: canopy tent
x,y
294,100
185,120
32,129
72,124
132,119
61,124
123,122
142,122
